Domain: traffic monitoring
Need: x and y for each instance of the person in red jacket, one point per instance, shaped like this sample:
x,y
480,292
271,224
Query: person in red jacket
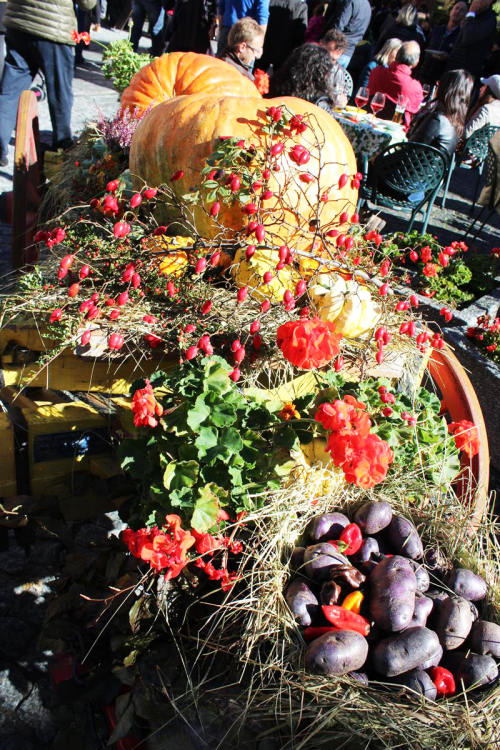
x,y
397,80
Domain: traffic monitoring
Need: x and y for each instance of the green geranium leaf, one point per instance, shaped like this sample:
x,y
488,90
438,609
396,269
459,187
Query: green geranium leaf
x,y
287,438
188,452
134,458
180,476
198,413
208,438
207,507
230,439
223,414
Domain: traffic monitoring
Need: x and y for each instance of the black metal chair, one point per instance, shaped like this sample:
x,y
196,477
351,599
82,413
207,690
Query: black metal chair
x,y
475,150
406,176
492,178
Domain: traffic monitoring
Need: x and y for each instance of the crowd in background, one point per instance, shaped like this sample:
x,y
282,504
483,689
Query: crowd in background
x,y
400,49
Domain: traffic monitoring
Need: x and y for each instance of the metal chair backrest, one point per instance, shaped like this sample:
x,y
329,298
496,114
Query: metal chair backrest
x,y
348,84
409,169
476,146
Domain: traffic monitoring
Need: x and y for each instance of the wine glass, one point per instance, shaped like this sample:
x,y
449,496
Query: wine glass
x,y
377,103
362,97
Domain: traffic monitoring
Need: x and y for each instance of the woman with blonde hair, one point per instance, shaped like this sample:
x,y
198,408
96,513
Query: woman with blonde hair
x,y
385,57
405,28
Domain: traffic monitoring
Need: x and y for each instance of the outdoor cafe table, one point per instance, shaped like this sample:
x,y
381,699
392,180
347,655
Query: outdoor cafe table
x,y
368,139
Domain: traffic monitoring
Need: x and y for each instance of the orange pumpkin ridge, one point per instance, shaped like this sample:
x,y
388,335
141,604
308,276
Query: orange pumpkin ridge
x,y
181,134
181,74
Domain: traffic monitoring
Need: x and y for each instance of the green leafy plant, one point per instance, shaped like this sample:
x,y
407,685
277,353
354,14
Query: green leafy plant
x,y
215,447
415,429
441,272
121,63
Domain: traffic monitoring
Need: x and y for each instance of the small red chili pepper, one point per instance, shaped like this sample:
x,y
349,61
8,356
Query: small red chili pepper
x,y
344,619
443,680
353,537
310,634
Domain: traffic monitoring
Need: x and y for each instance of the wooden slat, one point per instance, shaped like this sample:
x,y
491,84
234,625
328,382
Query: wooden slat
x,y
26,182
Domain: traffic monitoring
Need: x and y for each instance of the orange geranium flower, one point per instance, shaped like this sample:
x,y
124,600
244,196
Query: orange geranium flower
x,y
308,344
145,407
289,412
466,436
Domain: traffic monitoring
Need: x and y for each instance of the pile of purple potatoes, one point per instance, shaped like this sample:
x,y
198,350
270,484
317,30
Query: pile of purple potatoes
x,y
421,613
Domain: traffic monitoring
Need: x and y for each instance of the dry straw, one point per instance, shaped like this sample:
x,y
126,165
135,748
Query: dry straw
x,y
254,627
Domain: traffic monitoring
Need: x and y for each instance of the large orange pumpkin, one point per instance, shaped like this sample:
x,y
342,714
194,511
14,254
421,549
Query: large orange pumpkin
x,y
184,73
180,134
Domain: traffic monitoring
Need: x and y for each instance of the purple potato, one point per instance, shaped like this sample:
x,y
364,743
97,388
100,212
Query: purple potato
x,y
393,587
423,608
302,603
466,584
419,682
368,548
336,653
320,559
404,651
405,538
485,638
434,659
454,622
373,516
297,559
360,677
422,576
326,527
473,669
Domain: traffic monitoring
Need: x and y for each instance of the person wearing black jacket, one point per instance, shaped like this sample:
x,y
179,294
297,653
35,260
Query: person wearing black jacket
x,y
475,40
189,29
352,18
441,123
441,43
286,29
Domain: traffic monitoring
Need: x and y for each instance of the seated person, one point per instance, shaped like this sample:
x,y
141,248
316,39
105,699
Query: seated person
x,y
245,44
385,57
335,43
441,123
396,80
309,73
487,108
441,42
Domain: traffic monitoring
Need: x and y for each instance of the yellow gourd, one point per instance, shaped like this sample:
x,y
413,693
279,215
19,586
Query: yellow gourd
x,y
348,304
250,273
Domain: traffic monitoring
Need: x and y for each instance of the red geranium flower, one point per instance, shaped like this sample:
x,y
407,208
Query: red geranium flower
x,y
261,81
145,407
425,254
364,460
430,269
466,436
344,417
308,344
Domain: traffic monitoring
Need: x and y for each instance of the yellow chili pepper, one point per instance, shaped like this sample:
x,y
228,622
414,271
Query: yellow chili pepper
x,y
353,601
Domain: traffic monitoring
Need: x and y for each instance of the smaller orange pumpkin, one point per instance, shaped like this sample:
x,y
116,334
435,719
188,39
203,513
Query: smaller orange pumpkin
x,y
173,264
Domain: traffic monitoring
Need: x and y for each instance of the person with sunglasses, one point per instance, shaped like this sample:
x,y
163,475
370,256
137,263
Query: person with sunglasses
x,y
245,45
